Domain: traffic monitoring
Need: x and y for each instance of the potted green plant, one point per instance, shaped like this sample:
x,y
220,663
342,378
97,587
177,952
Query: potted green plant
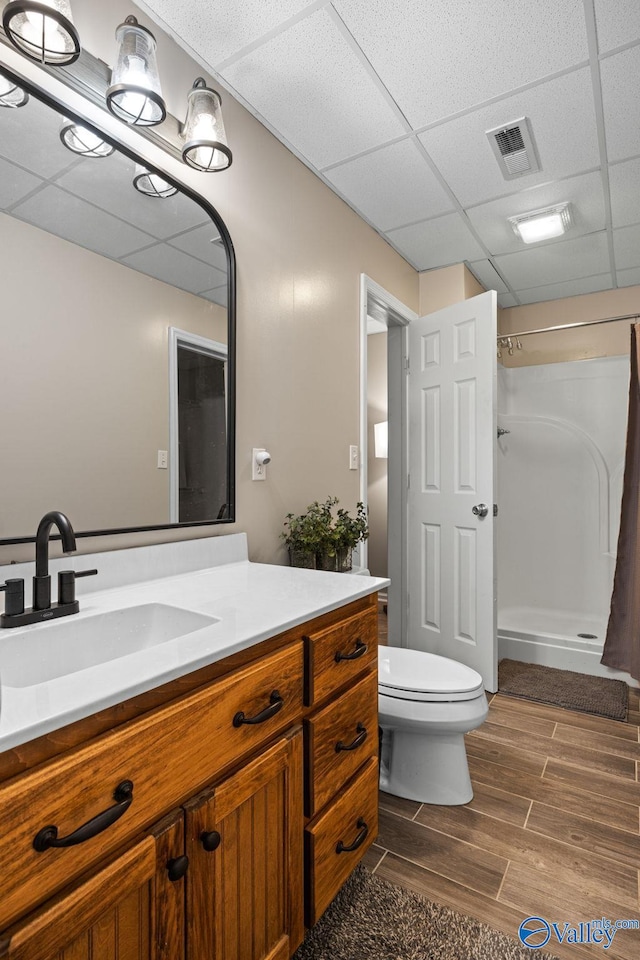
x,y
306,534
348,532
320,540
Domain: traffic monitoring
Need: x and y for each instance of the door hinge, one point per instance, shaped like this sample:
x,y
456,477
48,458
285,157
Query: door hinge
x,y
408,481
495,509
407,364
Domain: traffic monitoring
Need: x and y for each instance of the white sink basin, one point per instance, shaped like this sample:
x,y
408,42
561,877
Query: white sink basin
x,y
58,649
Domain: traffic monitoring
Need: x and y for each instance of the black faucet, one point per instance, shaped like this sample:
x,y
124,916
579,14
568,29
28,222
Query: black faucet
x,y
14,614
42,580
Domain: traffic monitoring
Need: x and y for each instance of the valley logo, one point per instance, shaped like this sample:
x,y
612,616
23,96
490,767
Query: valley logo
x,y
536,932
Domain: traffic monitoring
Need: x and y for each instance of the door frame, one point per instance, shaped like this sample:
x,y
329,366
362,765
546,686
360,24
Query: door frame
x,y
397,317
198,344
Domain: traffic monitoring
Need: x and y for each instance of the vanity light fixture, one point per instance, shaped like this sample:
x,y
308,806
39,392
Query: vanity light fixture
x,y
11,95
43,30
205,142
151,184
542,224
81,140
134,94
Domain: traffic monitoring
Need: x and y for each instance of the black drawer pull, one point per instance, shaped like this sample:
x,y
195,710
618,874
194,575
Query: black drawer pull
x,y
360,650
177,868
48,836
276,704
359,740
359,840
210,840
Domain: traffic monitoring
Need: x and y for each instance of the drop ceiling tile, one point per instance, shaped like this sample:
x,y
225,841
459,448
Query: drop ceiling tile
x,y
506,300
108,183
392,186
436,58
199,243
170,265
555,262
30,136
218,30
569,288
561,113
312,87
15,183
620,75
485,272
617,22
217,295
72,219
626,246
624,180
628,278
585,194
436,243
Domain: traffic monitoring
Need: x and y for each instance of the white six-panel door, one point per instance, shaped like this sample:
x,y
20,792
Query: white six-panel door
x,y
452,440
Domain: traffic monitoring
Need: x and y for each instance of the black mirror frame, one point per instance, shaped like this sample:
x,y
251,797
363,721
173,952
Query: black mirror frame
x,y
230,505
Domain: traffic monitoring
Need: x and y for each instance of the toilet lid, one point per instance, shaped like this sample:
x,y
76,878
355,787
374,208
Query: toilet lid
x,y
416,675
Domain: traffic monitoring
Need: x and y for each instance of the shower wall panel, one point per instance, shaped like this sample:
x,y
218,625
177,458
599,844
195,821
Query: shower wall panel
x,y
559,484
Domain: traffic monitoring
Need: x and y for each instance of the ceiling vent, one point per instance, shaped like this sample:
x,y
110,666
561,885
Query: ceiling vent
x,y
514,148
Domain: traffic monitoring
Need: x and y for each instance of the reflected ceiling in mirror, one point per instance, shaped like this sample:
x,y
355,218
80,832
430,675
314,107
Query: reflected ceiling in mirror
x,y
96,277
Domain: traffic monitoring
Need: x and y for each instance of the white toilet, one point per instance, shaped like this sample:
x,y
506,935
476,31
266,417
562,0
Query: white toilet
x,y
426,704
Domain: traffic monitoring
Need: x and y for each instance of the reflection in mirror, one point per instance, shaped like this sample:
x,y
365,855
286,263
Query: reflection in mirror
x,y
95,276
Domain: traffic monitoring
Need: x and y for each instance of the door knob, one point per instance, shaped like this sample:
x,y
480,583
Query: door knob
x,y
480,510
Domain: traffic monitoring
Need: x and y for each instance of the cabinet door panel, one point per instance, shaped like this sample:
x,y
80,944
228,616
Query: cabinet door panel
x,y
244,897
169,894
107,916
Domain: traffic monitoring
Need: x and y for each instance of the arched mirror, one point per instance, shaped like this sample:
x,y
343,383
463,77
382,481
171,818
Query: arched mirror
x,y
118,336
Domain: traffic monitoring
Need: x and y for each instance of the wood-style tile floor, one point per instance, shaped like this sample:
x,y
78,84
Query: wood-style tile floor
x,y
553,829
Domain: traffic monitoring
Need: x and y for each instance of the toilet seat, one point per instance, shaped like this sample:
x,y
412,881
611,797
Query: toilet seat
x,y
419,676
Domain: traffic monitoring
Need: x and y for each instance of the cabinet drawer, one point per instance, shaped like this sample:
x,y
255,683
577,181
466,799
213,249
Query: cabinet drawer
x,y
339,738
168,755
337,839
335,656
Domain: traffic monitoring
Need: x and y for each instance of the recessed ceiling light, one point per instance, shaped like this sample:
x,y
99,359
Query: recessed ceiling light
x,y
542,224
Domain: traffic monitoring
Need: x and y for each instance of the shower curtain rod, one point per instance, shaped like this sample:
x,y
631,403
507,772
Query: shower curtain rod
x,y
567,326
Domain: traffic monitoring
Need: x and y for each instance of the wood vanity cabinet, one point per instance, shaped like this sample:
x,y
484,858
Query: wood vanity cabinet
x,y
243,797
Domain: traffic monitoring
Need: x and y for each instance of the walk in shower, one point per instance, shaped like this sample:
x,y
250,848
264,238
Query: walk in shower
x,y
560,472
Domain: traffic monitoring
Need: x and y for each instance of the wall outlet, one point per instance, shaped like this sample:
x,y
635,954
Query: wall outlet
x,y
163,459
354,458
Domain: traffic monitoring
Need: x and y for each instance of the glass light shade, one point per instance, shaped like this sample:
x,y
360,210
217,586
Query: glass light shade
x,y
205,147
542,224
11,95
43,30
134,94
151,184
381,439
83,141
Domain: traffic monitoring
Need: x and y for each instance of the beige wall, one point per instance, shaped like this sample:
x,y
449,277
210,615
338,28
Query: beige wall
x,y
300,251
377,404
604,340
88,377
440,288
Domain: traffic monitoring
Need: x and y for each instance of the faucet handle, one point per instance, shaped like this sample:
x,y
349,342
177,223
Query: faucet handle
x,y
14,603
67,584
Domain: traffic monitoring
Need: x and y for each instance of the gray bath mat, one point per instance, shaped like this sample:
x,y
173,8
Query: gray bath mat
x,y
564,688
372,919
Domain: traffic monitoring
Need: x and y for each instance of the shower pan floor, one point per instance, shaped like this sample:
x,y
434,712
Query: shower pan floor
x,y
552,638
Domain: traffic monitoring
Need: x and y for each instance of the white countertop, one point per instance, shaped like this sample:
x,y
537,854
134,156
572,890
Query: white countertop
x,y
252,602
